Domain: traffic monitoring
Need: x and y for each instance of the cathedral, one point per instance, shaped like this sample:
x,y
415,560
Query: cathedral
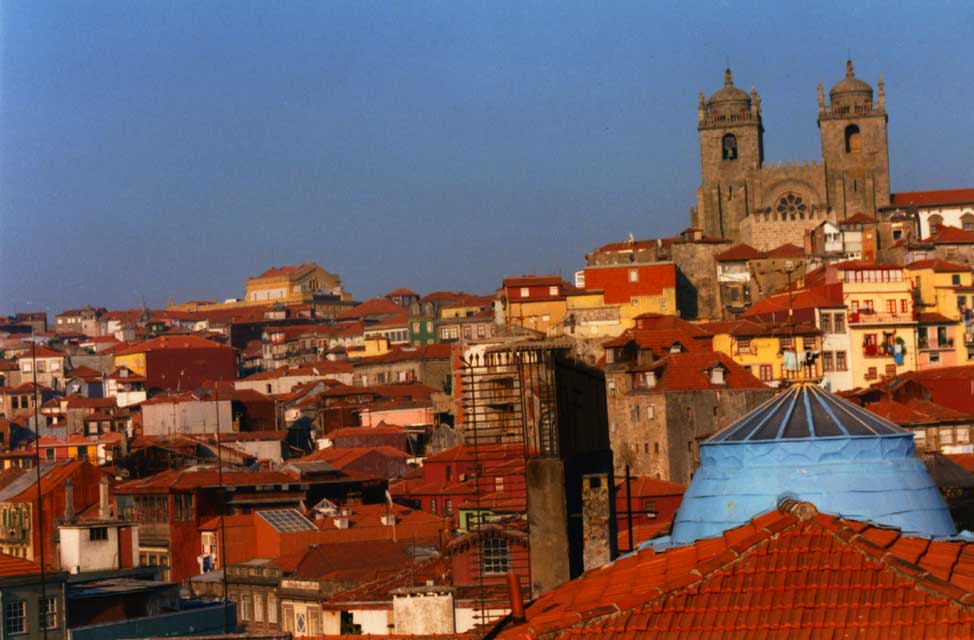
x,y
765,205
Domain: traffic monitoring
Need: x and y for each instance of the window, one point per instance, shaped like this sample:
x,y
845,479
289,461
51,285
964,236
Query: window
x,y
552,291
766,372
15,617
634,413
449,507
183,503
495,556
499,484
287,613
967,222
25,366
744,345
891,307
633,275
790,206
728,145
955,279
525,292
481,331
245,606
433,506
429,327
935,221
49,454
871,373
787,343
825,322
839,319
904,305
650,411
49,613
41,366
840,361
82,452
271,608
98,533
827,361
853,140
867,306
891,371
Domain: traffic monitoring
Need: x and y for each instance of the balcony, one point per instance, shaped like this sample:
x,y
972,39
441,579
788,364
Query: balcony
x,y
867,316
934,345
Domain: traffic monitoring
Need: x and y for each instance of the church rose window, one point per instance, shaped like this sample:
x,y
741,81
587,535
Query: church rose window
x,y
790,205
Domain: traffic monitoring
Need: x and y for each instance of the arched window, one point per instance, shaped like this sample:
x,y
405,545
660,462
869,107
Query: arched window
x,y
935,221
967,221
853,141
790,205
729,146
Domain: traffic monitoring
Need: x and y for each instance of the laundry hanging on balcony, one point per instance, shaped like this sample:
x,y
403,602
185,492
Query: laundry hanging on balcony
x,y
898,353
791,361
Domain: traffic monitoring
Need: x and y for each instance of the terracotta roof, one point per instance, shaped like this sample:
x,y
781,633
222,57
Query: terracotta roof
x,y
647,487
405,353
275,272
786,250
533,281
171,342
951,235
395,321
85,373
826,295
940,266
689,371
659,341
965,460
344,456
789,573
401,292
859,218
929,198
345,562
12,566
370,308
739,253
935,318
180,480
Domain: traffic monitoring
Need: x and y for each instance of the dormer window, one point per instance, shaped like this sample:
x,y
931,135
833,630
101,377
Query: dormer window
x,y
676,347
717,374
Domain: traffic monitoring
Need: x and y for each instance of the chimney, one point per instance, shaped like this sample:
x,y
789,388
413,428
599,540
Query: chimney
x,y
103,513
69,500
517,600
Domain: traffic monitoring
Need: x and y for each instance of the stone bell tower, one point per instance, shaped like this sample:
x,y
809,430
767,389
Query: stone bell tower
x,y
854,146
731,149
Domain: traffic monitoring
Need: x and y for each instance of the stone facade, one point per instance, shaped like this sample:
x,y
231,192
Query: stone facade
x,y
657,432
784,200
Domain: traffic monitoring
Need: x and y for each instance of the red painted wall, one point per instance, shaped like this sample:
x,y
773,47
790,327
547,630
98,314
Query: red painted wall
x,y
188,368
614,281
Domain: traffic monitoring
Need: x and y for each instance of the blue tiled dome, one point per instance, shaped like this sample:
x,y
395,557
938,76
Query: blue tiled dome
x,y
814,446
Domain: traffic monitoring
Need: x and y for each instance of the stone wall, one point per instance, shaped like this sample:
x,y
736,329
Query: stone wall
x,y
698,292
596,518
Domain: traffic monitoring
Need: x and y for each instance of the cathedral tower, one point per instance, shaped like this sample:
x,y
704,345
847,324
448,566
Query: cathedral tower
x,y
854,146
731,148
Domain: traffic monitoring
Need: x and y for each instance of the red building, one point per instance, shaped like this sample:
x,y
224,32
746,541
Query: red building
x,y
70,482
179,362
170,506
621,283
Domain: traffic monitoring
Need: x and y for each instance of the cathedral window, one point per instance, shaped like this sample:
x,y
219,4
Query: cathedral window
x,y
729,146
853,142
790,206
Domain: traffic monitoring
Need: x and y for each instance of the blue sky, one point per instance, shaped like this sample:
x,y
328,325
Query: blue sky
x,y
164,149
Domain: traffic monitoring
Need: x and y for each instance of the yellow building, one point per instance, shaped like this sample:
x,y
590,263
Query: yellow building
x,y
295,284
634,288
535,302
774,354
882,325
588,316
943,296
